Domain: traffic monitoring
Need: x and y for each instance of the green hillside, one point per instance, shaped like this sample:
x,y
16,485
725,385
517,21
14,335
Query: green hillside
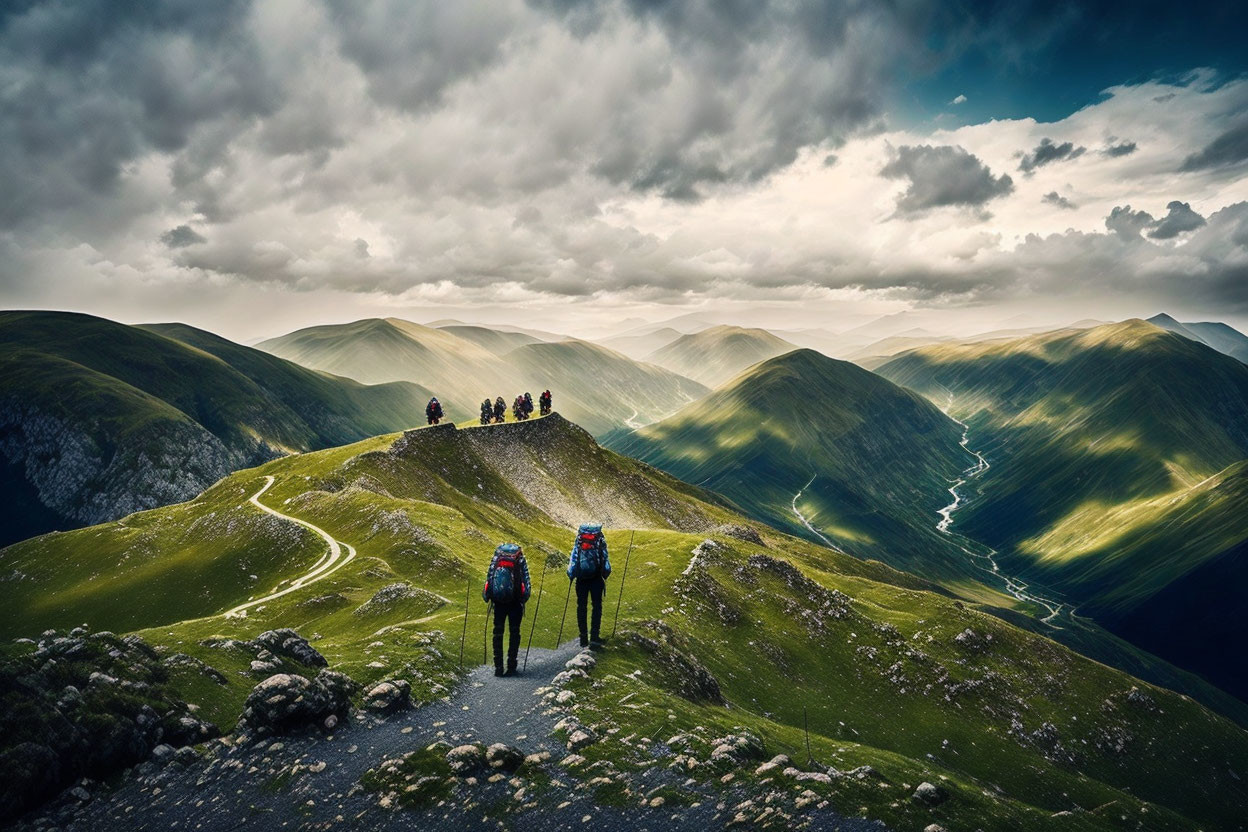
x,y
601,389
460,371
715,355
871,461
597,387
101,419
495,340
1115,470
914,684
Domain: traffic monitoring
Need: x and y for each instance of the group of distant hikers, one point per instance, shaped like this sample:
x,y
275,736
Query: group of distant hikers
x,y
495,412
508,587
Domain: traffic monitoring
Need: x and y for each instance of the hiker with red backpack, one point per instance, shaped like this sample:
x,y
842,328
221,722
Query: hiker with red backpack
x,y
590,567
543,403
507,588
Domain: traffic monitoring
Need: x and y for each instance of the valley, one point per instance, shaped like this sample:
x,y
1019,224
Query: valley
x,y
891,674
836,535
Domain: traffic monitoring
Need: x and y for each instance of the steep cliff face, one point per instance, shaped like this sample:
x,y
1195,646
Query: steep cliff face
x,y
99,419
66,475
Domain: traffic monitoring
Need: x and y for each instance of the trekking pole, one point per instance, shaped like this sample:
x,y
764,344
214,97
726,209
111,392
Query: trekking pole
x,y
464,636
485,631
810,758
559,638
533,626
623,577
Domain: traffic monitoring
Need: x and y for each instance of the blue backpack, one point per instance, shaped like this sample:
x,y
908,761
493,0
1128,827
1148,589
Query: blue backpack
x,y
505,582
589,559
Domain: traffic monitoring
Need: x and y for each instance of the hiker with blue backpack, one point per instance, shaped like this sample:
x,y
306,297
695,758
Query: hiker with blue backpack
x,y
590,567
507,588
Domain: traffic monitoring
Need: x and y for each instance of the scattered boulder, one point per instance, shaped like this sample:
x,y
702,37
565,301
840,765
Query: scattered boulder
x,y
386,697
465,759
740,532
399,595
737,748
934,827
581,738
930,795
583,660
285,702
289,644
504,757
775,765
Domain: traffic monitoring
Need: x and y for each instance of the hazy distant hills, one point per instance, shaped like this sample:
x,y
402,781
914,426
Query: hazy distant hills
x,y
1116,476
494,340
600,389
99,419
597,387
641,345
1223,338
715,355
872,460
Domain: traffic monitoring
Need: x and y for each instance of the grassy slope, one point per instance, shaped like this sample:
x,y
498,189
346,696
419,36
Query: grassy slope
x,y
882,455
886,683
599,388
1116,458
714,356
340,409
130,396
460,372
494,340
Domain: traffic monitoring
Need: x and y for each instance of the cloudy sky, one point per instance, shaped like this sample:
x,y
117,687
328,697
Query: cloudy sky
x,y
256,165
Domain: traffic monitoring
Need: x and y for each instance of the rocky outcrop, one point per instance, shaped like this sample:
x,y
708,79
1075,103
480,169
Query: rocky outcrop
x,y
285,702
83,704
86,477
680,671
387,697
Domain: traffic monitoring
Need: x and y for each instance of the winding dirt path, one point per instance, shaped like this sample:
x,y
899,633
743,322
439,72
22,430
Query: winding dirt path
x,y
330,562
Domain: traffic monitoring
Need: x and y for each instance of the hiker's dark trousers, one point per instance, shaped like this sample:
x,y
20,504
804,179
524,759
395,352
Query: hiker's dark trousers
x,y
504,615
587,589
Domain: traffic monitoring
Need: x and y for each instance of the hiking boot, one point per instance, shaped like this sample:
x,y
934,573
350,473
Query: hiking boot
x,y
584,640
498,670
596,645
511,669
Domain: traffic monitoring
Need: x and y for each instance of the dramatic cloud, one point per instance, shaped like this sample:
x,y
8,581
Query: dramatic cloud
x,y
1230,148
1129,224
303,160
941,176
1180,219
1047,152
182,236
1054,198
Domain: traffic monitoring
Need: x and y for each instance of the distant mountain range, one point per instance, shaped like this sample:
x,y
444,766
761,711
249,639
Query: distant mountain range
x,y
1117,477
715,355
597,387
1223,338
99,419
